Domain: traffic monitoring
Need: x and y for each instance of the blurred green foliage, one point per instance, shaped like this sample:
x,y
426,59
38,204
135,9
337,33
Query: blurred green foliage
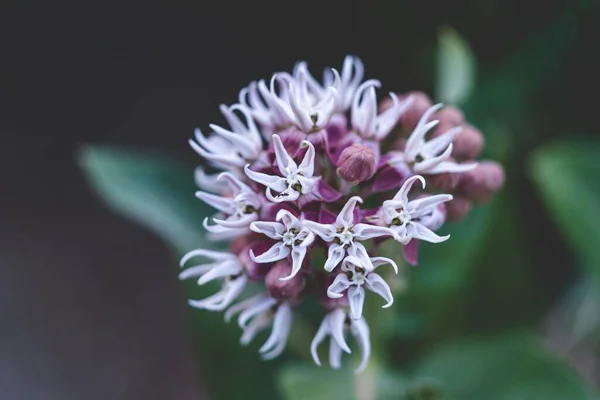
x,y
472,322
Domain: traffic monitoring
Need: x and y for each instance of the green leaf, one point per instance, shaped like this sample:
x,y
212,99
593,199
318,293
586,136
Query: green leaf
x,y
509,367
152,190
309,382
455,68
566,174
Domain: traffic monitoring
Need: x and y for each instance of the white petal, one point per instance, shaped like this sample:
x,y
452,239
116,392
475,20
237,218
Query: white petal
x,y
274,182
277,252
285,163
451,167
335,254
307,166
367,231
428,202
282,323
356,298
376,284
197,271
325,231
360,330
339,284
223,204
358,250
346,216
335,355
287,194
321,334
441,143
337,322
221,271
298,254
402,194
274,230
257,308
418,231
379,261
215,255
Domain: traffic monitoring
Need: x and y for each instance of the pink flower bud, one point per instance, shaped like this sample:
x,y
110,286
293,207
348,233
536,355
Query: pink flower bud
x,y
458,208
450,116
284,290
482,182
357,163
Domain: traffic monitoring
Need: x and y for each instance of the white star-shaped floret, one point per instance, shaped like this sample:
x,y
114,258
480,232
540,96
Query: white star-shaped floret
x,y
409,219
295,179
294,238
344,236
354,276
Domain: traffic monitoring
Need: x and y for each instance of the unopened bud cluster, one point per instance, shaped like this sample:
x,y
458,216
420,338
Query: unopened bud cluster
x,y
300,159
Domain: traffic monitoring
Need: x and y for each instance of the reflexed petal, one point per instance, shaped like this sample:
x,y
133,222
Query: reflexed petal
x,y
367,231
288,194
274,230
451,167
356,298
429,201
346,216
282,323
279,251
298,254
418,231
376,284
335,254
307,166
335,355
285,163
360,330
224,204
402,194
358,250
379,261
255,309
339,284
197,271
215,255
221,271
337,321
270,181
325,231
321,334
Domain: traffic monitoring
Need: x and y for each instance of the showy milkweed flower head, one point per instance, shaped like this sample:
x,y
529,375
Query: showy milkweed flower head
x,y
314,177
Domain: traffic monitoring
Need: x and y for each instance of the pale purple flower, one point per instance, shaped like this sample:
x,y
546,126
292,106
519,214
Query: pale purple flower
x,y
230,149
295,179
224,266
260,312
344,236
336,324
365,118
430,157
409,219
354,276
294,238
239,210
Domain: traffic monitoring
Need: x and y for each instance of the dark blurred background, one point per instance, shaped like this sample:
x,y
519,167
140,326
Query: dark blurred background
x,y
91,304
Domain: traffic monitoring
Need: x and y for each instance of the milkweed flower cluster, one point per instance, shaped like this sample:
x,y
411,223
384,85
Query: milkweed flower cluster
x,y
315,171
